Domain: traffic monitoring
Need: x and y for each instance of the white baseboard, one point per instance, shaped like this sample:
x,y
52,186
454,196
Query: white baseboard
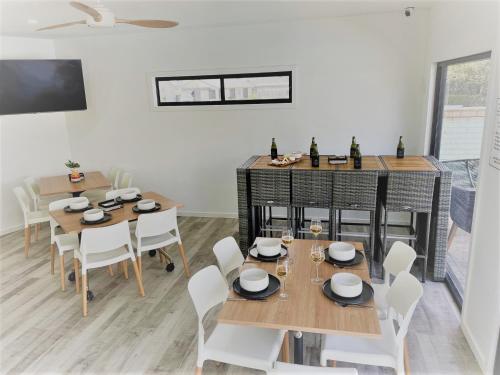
x,y
13,228
474,348
226,215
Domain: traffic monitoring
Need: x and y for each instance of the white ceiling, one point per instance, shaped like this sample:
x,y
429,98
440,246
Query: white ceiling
x,y
23,17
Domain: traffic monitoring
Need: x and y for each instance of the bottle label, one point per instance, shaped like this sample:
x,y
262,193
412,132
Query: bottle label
x,y
357,163
353,151
400,153
274,153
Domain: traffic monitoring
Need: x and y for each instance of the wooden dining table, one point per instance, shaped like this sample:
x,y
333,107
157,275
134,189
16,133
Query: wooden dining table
x,y
307,309
62,184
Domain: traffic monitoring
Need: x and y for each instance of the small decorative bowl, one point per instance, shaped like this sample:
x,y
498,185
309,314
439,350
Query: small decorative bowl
x,y
94,214
342,251
79,203
146,204
254,279
346,284
128,195
269,247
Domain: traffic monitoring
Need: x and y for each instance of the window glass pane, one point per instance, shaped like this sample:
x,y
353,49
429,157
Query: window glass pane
x,y
196,90
257,88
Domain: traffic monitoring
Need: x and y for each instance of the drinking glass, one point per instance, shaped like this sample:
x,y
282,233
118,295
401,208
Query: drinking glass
x,y
317,256
282,272
287,236
316,227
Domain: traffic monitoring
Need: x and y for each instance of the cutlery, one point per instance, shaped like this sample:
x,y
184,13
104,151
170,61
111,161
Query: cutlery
x,y
358,306
346,267
244,299
252,261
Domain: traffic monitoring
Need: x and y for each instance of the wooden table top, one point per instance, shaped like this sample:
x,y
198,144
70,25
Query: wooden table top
x,y
62,184
368,163
306,309
70,222
408,163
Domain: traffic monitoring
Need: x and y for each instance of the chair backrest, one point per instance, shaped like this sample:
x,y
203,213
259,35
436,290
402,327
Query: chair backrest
x,y
59,205
402,298
400,258
409,191
114,175
100,240
157,223
228,254
23,199
33,189
207,289
113,194
125,180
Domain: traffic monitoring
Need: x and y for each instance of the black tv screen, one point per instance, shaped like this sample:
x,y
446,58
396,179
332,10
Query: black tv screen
x,y
30,86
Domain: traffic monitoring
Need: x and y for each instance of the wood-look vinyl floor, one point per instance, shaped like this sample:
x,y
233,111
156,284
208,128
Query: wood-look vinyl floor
x,y
42,329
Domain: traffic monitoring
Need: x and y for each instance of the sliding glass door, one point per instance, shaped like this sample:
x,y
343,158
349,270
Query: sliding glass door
x,y
458,122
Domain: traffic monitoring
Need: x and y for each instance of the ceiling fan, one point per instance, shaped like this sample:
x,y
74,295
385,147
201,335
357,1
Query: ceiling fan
x,y
100,16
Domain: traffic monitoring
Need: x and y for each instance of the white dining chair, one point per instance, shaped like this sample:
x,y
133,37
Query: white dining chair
x,y
125,180
157,230
101,247
31,217
113,194
389,350
245,346
63,241
228,255
400,258
285,368
114,176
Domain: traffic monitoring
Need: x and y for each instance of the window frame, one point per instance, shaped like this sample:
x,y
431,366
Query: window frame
x,y
439,97
222,77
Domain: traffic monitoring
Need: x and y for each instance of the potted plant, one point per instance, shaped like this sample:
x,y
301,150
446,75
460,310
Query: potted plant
x,y
75,173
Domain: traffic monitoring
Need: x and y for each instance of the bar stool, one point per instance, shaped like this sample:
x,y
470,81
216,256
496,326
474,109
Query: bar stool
x,y
355,191
409,192
269,188
311,189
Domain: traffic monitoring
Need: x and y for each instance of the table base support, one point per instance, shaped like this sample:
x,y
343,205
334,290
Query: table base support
x,y
298,348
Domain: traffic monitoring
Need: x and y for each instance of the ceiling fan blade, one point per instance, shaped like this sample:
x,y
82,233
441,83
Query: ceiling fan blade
x,y
86,9
149,23
62,25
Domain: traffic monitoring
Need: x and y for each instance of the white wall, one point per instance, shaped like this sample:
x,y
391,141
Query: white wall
x,y
460,29
31,144
356,76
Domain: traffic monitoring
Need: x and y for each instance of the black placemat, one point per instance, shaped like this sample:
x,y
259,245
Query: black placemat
x,y
136,199
106,217
273,287
139,211
69,210
358,258
254,254
365,296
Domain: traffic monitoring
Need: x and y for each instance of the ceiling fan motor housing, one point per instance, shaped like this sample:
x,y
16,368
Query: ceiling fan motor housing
x,y
107,18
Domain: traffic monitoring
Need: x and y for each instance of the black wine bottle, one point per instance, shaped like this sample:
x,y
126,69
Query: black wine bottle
x,y
357,158
313,142
353,147
315,156
274,150
400,152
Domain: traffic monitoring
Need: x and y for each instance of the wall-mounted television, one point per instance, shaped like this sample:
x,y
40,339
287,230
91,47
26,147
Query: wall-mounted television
x,y
31,86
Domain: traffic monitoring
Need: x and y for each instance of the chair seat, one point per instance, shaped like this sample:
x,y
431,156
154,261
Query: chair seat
x,y
154,242
282,368
41,216
66,242
369,351
96,260
251,347
380,292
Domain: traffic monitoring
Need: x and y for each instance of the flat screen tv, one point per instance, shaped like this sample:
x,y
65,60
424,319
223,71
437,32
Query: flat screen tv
x,y
31,86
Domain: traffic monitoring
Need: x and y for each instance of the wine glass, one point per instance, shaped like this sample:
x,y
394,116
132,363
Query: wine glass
x,y
316,227
317,256
282,272
287,236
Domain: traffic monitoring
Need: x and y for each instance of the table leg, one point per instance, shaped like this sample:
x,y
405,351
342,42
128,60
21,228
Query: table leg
x,y
298,348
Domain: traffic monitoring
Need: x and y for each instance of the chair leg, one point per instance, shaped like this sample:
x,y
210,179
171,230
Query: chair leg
x,y
451,235
285,349
184,260
406,358
84,294
139,264
37,231
52,257
138,278
384,244
76,268
27,240
61,266
125,269
198,371
426,246
110,271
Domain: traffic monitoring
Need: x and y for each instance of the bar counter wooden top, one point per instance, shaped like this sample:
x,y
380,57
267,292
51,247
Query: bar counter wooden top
x,y
307,308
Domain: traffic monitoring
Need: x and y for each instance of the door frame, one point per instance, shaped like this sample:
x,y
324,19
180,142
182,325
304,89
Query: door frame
x,y
439,97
